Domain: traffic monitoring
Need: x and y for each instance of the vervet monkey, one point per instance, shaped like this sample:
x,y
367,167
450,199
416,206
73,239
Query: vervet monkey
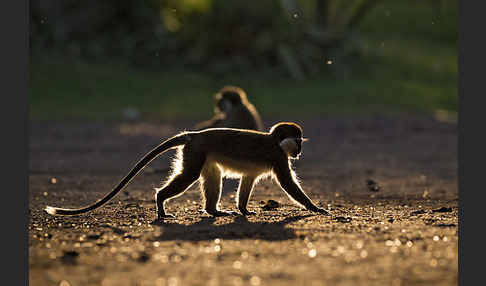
x,y
232,110
211,154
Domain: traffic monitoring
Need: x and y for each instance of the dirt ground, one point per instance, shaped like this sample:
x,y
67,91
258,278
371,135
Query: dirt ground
x,y
404,231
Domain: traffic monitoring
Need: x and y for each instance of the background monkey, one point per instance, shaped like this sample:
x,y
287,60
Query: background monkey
x,y
210,154
233,110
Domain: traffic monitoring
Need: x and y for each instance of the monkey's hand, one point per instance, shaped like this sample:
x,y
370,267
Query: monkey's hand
x,y
316,209
165,216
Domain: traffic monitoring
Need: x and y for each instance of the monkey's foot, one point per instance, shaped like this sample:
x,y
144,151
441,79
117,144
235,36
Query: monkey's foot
x,y
220,213
247,212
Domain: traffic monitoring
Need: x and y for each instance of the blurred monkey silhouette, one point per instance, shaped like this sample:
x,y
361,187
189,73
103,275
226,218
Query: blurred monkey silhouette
x,y
232,110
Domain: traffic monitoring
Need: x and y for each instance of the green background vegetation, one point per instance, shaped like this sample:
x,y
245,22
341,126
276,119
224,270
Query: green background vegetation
x,y
400,57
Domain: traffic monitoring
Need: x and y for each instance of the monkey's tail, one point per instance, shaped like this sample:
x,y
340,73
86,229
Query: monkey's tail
x,y
173,142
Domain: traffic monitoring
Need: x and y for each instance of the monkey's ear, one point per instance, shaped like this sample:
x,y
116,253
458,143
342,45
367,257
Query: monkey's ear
x,y
289,146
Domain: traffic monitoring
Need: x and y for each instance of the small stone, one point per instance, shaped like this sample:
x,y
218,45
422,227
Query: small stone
x,y
442,210
343,219
417,212
270,205
372,186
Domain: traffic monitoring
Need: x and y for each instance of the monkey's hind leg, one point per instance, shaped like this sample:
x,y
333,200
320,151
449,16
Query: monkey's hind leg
x,y
178,184
244,192
211,189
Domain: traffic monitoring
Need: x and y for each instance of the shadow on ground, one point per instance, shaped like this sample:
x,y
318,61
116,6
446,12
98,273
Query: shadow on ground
x,y
240,228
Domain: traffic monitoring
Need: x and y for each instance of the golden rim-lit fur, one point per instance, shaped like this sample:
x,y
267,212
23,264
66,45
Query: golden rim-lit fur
x,y
212,154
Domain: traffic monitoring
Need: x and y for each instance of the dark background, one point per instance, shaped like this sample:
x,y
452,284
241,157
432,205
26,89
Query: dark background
x,y
166,59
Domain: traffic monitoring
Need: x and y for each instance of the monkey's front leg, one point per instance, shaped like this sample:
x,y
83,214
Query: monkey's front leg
x,y
297,194
286,179
244,192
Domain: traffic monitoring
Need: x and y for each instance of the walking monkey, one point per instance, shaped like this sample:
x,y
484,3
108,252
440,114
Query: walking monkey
x,y
211,154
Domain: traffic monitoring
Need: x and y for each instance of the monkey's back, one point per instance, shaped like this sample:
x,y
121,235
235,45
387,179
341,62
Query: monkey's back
x,y
247,146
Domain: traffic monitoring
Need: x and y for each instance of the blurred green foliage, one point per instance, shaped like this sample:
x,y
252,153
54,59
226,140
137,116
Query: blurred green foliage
x,y
215,35
168,58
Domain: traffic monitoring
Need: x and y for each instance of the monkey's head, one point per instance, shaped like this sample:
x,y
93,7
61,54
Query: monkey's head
x,y
229,97
289,136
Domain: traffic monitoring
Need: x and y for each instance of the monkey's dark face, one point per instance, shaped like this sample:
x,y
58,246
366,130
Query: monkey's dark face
x,y
298,142
289,136
292,147
223,105
227,101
